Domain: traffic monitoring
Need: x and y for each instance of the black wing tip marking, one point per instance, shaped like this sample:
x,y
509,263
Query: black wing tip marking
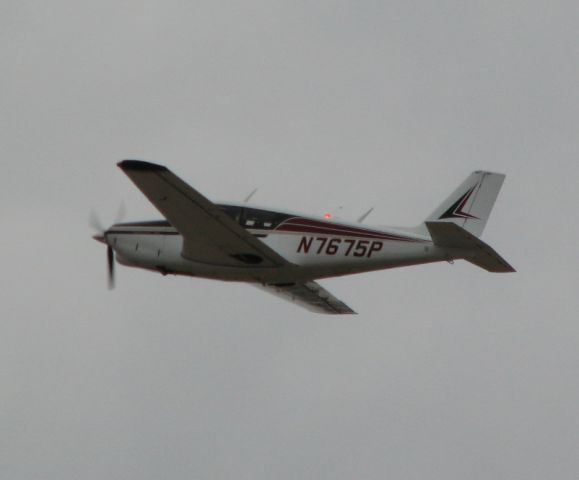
x,y
140,165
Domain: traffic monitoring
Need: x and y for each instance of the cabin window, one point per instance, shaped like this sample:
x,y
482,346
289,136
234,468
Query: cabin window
x,y
253,217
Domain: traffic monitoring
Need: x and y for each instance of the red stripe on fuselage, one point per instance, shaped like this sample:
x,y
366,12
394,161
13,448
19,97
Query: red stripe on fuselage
x,y
304,225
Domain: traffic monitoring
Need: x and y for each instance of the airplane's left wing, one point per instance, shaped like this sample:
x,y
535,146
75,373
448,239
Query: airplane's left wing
x,y
209,234
310,295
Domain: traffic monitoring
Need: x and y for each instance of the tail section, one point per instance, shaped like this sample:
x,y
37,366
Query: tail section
x,y
470,204
469,247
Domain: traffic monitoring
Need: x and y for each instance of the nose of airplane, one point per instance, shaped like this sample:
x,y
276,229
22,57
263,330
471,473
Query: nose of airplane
x,y
99,238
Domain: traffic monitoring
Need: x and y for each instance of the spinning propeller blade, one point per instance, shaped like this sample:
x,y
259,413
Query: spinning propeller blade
x,y
96,225
111,267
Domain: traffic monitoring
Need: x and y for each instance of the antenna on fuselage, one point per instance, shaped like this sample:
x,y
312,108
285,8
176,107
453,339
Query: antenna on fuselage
x,y
363,217
248,198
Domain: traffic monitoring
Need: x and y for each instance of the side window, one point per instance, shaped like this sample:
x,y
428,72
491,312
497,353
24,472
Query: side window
x,y
254,218
258,219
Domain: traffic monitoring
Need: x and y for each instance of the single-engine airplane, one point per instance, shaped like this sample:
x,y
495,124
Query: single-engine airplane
x,y
285,252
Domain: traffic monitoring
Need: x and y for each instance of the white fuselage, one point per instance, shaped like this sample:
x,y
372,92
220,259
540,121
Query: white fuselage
x,y
314,248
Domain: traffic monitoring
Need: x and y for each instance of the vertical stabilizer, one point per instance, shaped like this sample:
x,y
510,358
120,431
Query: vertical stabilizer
x,y
471,203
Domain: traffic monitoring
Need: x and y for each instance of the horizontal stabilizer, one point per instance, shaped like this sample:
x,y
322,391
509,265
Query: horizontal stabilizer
x,y
477,252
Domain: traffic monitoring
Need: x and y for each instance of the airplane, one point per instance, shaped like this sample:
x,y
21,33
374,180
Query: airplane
x,y
284,252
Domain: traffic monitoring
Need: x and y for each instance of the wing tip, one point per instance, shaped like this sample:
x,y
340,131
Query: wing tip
x,y
140,165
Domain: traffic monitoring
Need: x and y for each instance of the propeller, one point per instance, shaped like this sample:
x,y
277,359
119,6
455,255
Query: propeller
x,y
121,212
100,236
111,267
96,225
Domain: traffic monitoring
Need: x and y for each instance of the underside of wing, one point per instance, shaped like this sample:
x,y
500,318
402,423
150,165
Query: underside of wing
x,y
209,234
309,295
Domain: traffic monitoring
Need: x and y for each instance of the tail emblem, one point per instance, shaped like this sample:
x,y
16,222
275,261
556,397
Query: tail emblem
x,y
456,209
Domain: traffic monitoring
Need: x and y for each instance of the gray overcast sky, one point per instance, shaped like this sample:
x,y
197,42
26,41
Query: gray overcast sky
x,y
448,372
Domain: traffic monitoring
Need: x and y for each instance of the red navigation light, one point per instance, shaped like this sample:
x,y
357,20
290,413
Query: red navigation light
x,y
327,216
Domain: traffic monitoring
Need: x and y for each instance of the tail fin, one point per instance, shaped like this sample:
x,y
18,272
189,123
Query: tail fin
x,y
471,203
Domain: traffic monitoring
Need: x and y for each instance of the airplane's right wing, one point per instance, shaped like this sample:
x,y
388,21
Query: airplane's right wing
x,y
310,295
